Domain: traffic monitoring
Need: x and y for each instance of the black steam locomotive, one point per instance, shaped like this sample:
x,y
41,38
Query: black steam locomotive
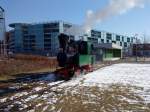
x,y
74,57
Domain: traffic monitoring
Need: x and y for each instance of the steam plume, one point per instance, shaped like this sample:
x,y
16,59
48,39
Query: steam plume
x,y
114,7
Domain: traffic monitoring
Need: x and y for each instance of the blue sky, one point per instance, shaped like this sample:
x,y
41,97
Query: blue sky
x,y
74,11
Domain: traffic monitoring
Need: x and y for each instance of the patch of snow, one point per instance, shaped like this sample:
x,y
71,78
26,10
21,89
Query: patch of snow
x,y
18,102
73,82
8,108
132,74
41,83
17,95
14,87
38,105
54,83
25,84
47,95
45,108
21,94
31,110
126,74
38,88
52,108
3,100
31,97
12,97
52,100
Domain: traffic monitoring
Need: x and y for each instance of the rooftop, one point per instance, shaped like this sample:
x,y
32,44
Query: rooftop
x,y
112,33
47,22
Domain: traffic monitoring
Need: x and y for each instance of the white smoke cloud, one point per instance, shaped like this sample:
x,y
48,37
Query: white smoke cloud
x,y
146,38
115,7
75,30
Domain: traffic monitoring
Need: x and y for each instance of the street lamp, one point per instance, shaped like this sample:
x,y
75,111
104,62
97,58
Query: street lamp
x,y
2,20
135,37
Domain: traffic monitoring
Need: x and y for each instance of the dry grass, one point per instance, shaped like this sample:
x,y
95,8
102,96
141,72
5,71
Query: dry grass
x,y
115,98
25,64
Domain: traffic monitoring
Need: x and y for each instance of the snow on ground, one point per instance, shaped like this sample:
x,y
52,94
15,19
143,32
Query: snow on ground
x,y
38,88
133,74
125,74
109,88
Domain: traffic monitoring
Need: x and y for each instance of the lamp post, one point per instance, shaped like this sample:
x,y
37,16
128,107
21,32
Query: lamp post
x,y
144,47
2,20
135,37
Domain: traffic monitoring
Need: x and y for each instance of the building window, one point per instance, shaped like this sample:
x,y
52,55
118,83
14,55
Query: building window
x,y
120,43
66,25
47,35
29,42
117,38
25,32
102,40
128,39
99,36
109,36
132,40
125,44
114,42
107,41
46,40
47,49
51,25
123,39
32,36
96,34
51,30
93,40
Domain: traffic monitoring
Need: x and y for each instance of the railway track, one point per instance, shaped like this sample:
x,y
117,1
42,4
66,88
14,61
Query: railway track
x,y
44,104
40,92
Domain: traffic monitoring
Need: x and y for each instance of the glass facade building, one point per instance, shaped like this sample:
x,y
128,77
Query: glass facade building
x,y
98,37
40,38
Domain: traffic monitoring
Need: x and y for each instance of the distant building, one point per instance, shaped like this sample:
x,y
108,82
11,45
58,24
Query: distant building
x,y
40,38
107,51
98,37
141,50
